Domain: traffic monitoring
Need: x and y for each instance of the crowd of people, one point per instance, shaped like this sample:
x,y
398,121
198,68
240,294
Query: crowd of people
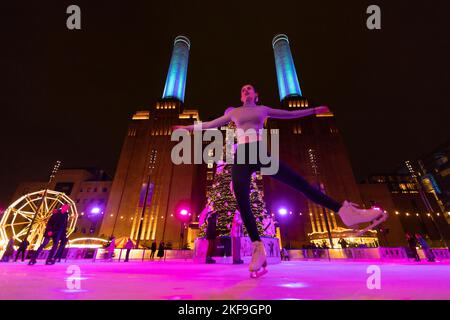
x,y
55,231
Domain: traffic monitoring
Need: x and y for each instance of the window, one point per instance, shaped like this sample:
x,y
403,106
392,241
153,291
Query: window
x,y
65,187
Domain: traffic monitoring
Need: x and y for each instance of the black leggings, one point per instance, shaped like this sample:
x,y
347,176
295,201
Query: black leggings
x,y
241,176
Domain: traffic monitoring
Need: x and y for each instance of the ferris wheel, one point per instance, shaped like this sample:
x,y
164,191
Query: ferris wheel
x,y
29,215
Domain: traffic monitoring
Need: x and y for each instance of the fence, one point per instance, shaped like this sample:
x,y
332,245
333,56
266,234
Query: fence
x,y
382,253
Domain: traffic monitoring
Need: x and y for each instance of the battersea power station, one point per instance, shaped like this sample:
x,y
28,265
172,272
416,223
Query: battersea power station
x,y
148,189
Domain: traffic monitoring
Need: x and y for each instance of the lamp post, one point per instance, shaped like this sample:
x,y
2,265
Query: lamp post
x,y
442,239
40,207
144,207
151,166
315,168
425,200
283,212
183,215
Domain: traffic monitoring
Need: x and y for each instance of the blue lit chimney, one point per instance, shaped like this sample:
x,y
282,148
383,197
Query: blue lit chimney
x,y
288,85
176,76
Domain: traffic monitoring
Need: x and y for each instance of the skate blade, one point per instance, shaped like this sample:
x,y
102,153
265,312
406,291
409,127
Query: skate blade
x,y
258,274
374,223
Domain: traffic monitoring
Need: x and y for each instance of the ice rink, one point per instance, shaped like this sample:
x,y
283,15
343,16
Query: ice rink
x,y
182,280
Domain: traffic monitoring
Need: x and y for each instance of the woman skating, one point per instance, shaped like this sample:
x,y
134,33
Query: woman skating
x,y
251,116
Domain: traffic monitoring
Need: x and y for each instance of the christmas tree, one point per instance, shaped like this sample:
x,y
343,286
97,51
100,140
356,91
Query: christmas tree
x,y
221,198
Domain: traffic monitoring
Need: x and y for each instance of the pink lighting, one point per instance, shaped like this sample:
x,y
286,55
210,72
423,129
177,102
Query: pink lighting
x,y
282,211
183,212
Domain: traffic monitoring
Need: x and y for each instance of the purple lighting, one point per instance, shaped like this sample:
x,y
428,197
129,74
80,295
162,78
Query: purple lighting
x,y
282,211
95,210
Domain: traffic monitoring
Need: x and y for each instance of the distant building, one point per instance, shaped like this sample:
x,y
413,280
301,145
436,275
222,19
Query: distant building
x,y
148,188
434,169
88,188
403,195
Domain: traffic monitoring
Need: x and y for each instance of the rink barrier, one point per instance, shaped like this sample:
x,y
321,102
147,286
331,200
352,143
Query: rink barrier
x,y
381,253
142,255
223,250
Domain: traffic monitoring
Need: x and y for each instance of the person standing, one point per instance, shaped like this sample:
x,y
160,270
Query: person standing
x,y
22,249
236,234
62,233
284,254
9,252
62,245
426,248
211,236
412,244
110,249
160,250
344,246
128,246
343,243
53,231
271,246
153,250
209,217
251,117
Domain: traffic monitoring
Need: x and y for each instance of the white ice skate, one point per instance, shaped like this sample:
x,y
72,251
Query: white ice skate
x,y
351,216
258,260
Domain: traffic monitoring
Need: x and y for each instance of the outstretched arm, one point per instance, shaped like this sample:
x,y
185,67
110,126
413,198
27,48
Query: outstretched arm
x,y
285,114
208,124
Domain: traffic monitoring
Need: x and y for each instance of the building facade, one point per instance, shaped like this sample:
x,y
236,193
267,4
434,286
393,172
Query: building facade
x,y
88,188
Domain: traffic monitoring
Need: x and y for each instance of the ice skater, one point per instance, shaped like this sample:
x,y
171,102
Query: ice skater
x,y
153,250
54,230
128,246
22,249
251,116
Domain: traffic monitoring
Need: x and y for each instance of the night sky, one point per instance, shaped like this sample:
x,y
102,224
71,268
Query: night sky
x,y
68,95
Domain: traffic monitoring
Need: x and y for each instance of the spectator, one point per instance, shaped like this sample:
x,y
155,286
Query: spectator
x,y
110,249
153,250
9,252
128,246
426,248
412,244
284,254
161,250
